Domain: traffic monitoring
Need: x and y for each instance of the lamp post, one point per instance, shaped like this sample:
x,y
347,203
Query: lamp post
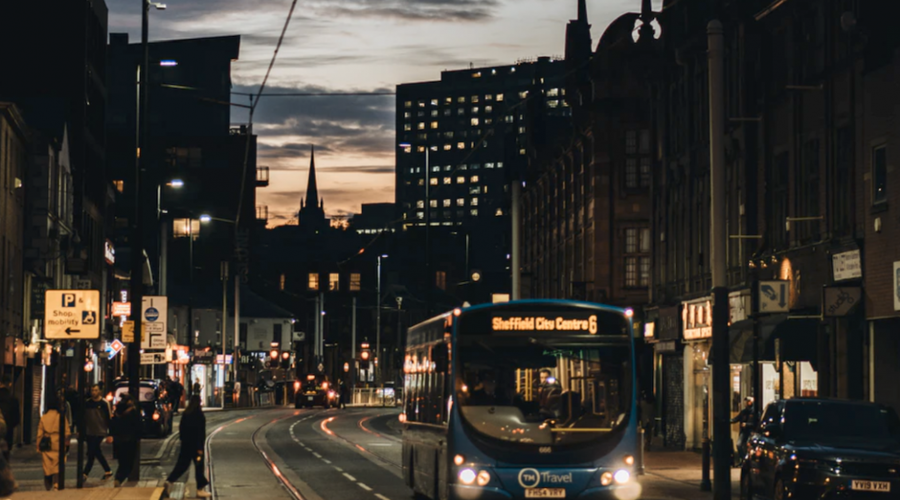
x,y
164,235
378,322
206,219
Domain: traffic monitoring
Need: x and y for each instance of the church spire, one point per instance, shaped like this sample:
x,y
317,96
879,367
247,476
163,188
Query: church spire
x,y
582,11
312,191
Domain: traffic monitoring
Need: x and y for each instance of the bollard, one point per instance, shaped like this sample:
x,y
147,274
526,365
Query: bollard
x,y
643,437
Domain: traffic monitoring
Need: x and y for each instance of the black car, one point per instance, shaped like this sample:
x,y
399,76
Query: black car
x,y
314,391
823,449
156,410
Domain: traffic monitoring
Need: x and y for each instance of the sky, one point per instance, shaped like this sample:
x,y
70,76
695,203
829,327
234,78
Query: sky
x,y
354,46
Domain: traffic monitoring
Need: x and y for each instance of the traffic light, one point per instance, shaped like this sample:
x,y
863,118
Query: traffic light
x,y
285,360
364,356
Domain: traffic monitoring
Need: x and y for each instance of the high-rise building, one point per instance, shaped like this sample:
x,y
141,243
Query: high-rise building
x,y
461,141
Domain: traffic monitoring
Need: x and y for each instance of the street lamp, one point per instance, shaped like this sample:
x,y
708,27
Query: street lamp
x,y
378,321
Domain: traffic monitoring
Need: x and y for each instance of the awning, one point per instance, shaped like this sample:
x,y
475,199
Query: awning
x,y
798,339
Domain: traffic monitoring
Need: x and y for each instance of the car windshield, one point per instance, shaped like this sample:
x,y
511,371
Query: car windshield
x,y
819,420
545,389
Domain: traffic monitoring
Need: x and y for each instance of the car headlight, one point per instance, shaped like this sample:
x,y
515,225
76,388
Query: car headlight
x,y
621,476
467,476
606,478
483,478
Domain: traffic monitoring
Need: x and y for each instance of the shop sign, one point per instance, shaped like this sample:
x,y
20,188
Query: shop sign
x,y
840,301
649,330
696,316
38,289
667,324
738,306
109,252
847,265
897,286
666,346
121,309
204,357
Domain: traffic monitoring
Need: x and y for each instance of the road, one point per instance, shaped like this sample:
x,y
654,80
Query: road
x,y
336,455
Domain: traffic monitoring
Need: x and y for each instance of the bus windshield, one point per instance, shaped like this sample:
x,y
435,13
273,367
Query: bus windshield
x,y
545,388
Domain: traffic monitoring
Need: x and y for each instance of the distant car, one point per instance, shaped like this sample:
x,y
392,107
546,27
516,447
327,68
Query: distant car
x,y
156,410
823,449
314,391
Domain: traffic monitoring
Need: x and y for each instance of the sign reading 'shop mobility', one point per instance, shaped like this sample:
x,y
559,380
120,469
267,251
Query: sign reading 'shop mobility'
x,y
71,314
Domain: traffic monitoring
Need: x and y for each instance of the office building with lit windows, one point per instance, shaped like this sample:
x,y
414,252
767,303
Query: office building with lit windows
x,y
460,142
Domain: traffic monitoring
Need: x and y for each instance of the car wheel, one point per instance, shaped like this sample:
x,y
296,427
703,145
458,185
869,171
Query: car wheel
x,y
779,493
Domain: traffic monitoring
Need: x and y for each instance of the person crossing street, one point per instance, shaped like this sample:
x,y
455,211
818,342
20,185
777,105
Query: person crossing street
x,y
97,415
192,434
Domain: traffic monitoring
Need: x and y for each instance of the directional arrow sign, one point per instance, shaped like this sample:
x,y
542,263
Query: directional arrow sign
x,y
71,314
773,296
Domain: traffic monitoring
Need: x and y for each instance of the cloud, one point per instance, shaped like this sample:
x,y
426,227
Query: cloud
x,y
412,10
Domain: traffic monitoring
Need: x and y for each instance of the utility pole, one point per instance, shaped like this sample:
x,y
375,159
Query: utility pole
x,y
353,345
378,312
224,340
516,216
718,238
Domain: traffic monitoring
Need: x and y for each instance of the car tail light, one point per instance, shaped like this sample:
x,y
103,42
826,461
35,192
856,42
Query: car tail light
x,y
156,415
296,386
330,394
483,478
467,476
325,385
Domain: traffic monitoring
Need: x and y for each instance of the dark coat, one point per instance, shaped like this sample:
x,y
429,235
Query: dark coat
x,y
192,431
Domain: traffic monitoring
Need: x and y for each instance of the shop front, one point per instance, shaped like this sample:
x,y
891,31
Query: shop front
x,y
208,378
696,320
663,332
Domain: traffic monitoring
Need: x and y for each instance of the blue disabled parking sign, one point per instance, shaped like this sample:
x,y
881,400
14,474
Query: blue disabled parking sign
x,y
152,314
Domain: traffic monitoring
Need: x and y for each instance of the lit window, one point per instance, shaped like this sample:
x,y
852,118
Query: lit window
x,y
436,168
421,182
356,279
474,212
421,126
460,99
522,151
499,97
460,180
475,122
508,118
552,92
406,114
422,137
476,74
434,125
182,228
120,186
474,99
334,281
434,112
523,94
448,100
420,215
434,102
433,181
421,104
460,111
440,280
407,104
412,170
488,121
499,164
474,178
281,280
420,149
313,283
448,180
407,149
553,104
475,110
448,134
499,212
488,109
420,204
448,203
460,145
474,202
448,168
448,147
521,130
460,202
407,127
433,203
489,97
463,167
475,190
476,166
488,165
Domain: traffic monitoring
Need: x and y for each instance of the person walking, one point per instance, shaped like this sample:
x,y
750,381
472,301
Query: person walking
x,y
747,421
344,394
126,429
48,440
192,434
97,415
9,408
176,391
237,393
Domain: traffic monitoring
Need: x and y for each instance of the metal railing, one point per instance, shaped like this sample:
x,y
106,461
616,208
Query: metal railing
x,y
385,397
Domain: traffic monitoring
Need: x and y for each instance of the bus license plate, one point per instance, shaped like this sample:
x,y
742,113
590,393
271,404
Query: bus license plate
x,y
545,493
309,398
880,486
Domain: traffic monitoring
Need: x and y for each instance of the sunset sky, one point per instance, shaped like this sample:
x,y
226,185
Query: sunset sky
x,y
354,46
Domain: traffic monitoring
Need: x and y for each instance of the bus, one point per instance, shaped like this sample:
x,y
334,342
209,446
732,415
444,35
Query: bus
x,y
523,399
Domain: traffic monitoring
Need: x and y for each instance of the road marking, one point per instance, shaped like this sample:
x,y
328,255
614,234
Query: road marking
x,y
363,486
338,468
307,448
317,455
301,444
348,476
382,497
326,461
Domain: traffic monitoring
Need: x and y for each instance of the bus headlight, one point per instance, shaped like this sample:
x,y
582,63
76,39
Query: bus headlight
x,y
467,476
483,478
622,476
629,460
606,478
459,459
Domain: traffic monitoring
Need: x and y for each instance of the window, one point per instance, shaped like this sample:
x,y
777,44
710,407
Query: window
x,y
182,228
436,168
433,203
488,109
433,181
448,147
355,280
499,212
879,175
552,92
281,282
474,179
777,177
448,168
448,135
637,257
421,182
499,97
460,202
276,333
645,172
460,145
334,282
420,204
631,173
523,94
313,281
488,165
406,114
448,180
645,142
460,111
440,280
448,202
474,212
434,125
448,112
421,126
460,180
474,99
631,142
474,122
475,190
407,127
474,202
434,112
407,104
120,186
184,157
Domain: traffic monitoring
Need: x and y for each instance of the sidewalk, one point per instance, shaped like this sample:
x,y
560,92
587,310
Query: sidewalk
x,y
683,467
95,494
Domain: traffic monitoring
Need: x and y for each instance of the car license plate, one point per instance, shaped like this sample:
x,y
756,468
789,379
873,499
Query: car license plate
x,y
880,486
310,398
545,493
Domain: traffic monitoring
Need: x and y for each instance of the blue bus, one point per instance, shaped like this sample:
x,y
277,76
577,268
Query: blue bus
x,y
524,399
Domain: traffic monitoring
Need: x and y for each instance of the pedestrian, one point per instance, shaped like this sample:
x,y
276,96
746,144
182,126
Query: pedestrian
x,y
192,434
176,391
648,418
9,408
126,427
48,440
97,415
747,421
237,393
344,393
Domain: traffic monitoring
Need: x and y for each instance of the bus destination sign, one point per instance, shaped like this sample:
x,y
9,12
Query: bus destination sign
x,y
545,323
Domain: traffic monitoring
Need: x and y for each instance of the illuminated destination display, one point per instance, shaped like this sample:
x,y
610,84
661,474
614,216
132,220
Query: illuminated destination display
x,y
544,323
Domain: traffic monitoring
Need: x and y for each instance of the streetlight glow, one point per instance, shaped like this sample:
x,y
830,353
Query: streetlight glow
x,y
168,63
176,183
205,218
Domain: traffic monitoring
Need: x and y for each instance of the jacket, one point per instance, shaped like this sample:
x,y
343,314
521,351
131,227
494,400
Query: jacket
x,y
126,426
97,415
192,430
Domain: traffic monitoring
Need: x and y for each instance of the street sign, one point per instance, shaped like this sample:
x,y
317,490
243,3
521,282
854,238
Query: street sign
x,y
114,347
71,314
153,358
82,284
840,301
128,331
155,311
773,296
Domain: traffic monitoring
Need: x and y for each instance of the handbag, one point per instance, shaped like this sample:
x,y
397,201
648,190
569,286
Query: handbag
x,y
44,445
